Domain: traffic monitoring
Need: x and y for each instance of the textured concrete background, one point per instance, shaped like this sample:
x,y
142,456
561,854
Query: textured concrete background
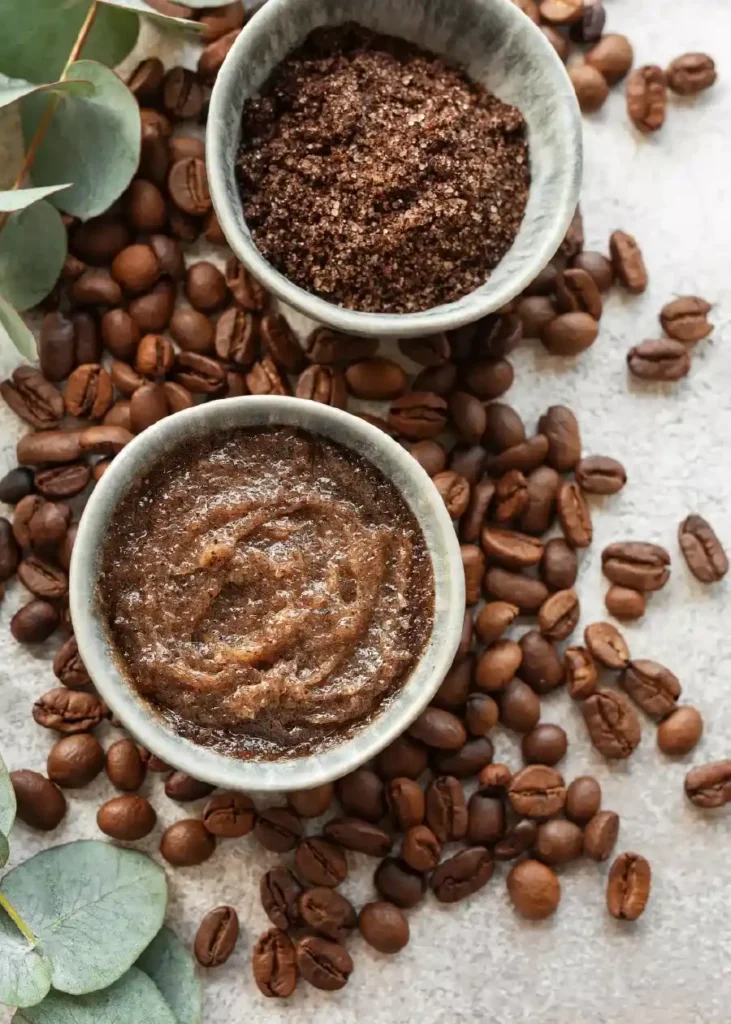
x,y
478,961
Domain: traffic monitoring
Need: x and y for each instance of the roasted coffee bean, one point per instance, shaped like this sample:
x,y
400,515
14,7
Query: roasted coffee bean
x,y
468,760
154,121
511,496
327,912
185,843
361,836
591,90
627,260
128,818
440,380
546,744
361,794
468,415
188,186
481,494
184,788
574,515
383,926
561,428
148,405
583,799
494,779
659,359
325,965
399,883
178,397
498,664
569,334
182,226
488,379
613,725
505,429
421,849
144,208
280,894
418,415
194,331
216,937
561,12
520,708
274,964
264,379
280,341
462,875
205,287
706,785
34,622
702,549
311,803
534,889
511,549
468,461
402,757
597,266
628,886
99,240
481,714
69,711
652,686
433,350
496,336
446,809
473,563
155,356
376,379
213,56
49,446
465,640
319,862
456,685
518,840
558,41
157,765
9,550
169,253
56,346
182,94
573,241
439,729
559,565
486,819
612,55
96,287
66,547
146,80
493,619
406,803
526,457
40,803
607,645
541,489
540,666
246,290
40,524
199,374
636,564
119,415
126,765
229,815
685,319
322,384
43,579
430,455
589,27
537,791
581,672
278,829
515,588
154,157
598,474
68,667
691,73
33,398
624,603
535,311
136,268
221,20
120,333
14,486
103,440
680,731
647,98
324,345
74,761
59,482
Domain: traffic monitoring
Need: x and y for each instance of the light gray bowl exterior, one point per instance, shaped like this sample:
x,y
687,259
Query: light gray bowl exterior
x,y
498,46
151,729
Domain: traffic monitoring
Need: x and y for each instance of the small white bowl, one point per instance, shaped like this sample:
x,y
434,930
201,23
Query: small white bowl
x,y
149,727
499,47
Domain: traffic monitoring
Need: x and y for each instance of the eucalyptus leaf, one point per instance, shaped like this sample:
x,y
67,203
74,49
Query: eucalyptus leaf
x,y
134,999
32,252
13,89
25,974
172,968
198,4
16,199
4,850
8,804
37,37
15,333
93,141
164,20
92,907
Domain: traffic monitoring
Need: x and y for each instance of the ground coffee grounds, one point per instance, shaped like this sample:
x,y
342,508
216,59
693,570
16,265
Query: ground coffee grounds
x,y
379,177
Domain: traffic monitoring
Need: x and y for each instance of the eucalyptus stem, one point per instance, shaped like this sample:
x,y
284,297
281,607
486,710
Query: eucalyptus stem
x,y
53,104
17,919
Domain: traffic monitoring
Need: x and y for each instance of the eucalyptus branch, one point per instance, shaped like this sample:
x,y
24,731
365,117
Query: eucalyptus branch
x,y
17,919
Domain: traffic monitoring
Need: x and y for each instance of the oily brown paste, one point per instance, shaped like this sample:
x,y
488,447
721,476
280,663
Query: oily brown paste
x,y
266,590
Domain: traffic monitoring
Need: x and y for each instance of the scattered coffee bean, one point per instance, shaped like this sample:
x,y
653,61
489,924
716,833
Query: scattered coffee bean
x,y
402,757
583,799
498,664
34,622
457,682
324,345
49,446
280,894
706,785
311,803
526,456
558,842
325,965
446,809
399,883
505,429
433,350
186,843
421,849
74,761
660,359
278,829
537,791
481,714
540,667
327,913
473,563
406,803
274,964
535,312
597,266
68,667
216,937
511,496
126,765
69,711
561,428
691,73
628,886
559,614
515,588
613,725
40,804
58,482
418,415
33,398
581,672
152,312
184,788
680,731
229,815
321,863
685,319
624,603
590,86
600,835
627,261
430,455
511,549
129,818
462,874
486,819
520,708
652,686
598,474
493,619
559,565
546,744
40,524
361,836
574,515
637,565
384,926
361,794
42,578
144,207
322,384
612,55
15,485
519,839
569,334
542,488
534,889
607,645
702,550
647,98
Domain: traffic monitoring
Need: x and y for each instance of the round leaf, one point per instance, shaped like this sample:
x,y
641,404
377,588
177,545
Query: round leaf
x,y
4,850
14,333
172,968
37,37
93,141
32,254
165,20
13,89
19,198
7,793
134,999
25,975
93,908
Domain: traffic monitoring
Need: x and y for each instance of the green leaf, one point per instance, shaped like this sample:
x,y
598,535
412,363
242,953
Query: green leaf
x,y
32,253
8,803
4,850
25,974
13,331
13,89
20,198
38,36
172,968
93,141
134,999
165,20
93,909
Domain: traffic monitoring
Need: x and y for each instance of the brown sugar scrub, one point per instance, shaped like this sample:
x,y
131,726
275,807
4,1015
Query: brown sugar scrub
x,y
266,591
379,177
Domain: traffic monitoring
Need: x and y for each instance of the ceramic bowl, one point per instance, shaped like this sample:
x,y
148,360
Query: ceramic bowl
x,y
499,47
147,726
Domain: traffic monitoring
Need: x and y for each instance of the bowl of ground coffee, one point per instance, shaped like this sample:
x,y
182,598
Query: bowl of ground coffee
x,y
393,168
266,591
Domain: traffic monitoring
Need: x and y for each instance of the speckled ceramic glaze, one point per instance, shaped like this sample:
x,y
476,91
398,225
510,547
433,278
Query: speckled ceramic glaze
x,y
498,46
152,730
